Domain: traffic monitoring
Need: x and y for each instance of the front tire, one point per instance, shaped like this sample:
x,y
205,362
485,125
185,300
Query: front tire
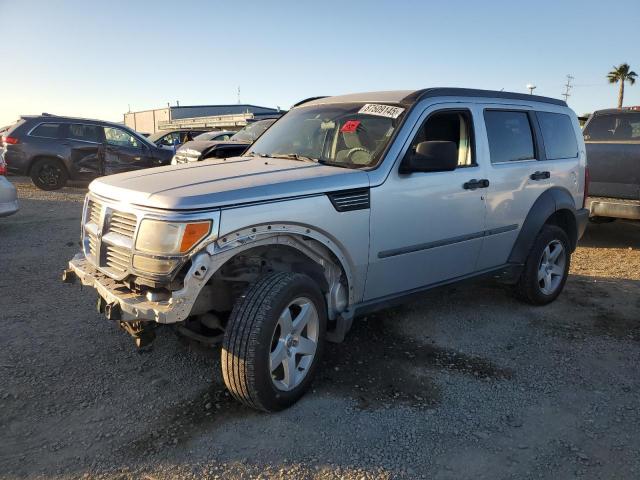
x,y
274,340
546,268
49,174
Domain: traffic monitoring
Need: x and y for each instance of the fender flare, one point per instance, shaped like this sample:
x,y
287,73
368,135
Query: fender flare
x,y
549,202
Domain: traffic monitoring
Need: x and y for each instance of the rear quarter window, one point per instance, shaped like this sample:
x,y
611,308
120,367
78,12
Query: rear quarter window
x,y
46,130
558,135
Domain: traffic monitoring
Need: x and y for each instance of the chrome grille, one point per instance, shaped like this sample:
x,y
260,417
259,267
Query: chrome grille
x,y
117,258
123,223
94,212
93,245
109,236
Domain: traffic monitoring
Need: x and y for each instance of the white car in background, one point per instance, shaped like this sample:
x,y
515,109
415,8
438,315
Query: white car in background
x,y
8,194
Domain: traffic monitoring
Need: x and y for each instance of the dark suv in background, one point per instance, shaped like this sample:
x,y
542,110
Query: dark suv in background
x,y
612,139
52,150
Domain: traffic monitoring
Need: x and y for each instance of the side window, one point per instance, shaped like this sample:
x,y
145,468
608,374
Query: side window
x,y
509,134
170,138
120,138
558,135
46,130
613,128
86,133
450,126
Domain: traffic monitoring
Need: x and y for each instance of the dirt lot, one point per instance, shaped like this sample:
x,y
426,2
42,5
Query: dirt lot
x,y
465,383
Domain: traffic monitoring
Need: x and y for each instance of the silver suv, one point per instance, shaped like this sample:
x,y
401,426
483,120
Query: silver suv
x,y
345,205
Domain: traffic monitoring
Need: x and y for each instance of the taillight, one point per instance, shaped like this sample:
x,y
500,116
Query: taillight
x,y
10,140
587,180
3,168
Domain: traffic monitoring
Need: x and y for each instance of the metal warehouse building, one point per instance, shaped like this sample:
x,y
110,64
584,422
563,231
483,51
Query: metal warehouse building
x,y
230,117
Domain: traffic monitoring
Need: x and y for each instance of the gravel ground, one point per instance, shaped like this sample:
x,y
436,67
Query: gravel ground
x,y
465,383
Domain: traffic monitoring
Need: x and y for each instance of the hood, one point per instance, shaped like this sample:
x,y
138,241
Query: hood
x,y
202,145
221,182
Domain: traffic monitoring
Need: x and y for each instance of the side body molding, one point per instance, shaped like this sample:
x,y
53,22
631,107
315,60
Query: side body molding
x,y
549,202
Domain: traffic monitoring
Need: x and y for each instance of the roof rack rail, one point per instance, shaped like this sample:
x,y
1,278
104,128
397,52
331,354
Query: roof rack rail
x,y
308,100
469,92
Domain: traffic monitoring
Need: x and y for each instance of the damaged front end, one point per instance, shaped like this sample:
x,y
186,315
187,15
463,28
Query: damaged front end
x,y
143,264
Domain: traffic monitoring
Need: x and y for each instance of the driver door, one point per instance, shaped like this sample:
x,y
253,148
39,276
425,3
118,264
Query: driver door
x,y
427,227
123,152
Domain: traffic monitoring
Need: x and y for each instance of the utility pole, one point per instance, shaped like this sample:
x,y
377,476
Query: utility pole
x,y
239,102
567,88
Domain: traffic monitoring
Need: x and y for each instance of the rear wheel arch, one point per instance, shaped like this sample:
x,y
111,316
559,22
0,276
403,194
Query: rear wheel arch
x,y
554,206
37,158
56,172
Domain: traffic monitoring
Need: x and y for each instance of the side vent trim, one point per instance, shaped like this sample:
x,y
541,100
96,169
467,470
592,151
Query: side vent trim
x,y
348,200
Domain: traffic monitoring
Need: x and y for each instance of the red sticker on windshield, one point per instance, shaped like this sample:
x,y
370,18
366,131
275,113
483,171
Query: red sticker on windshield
x,y
350,126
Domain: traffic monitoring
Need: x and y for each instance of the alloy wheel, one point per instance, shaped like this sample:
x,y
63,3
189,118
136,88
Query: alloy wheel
x,y
294,344
551,269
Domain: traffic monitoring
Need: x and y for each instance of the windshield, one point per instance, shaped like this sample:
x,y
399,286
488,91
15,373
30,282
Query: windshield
x,y
206,136
154,137
351,135
252,131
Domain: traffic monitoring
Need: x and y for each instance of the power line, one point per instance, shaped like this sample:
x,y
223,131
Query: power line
x,y
567,88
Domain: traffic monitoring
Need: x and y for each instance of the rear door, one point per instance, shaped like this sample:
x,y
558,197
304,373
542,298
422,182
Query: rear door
x,y
613,155
521,168
124,152
86,148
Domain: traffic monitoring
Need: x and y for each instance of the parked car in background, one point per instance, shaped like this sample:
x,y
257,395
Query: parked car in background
x,y
172,138
8,194
53,149
199,149
216,135
345,205
612,139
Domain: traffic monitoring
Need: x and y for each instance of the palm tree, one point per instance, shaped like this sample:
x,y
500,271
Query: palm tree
x,y
622,73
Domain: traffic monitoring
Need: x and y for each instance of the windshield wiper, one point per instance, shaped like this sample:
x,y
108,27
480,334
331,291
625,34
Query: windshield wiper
x,y
255,154
294,156
348,165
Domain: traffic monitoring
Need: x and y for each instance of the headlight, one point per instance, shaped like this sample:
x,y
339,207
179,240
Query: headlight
x,y
170,238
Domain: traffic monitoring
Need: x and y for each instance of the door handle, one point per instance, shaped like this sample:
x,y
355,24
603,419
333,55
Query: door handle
x,y
540,175
473,184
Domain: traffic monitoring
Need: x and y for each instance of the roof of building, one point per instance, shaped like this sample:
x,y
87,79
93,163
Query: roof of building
x,y
409,97
190,111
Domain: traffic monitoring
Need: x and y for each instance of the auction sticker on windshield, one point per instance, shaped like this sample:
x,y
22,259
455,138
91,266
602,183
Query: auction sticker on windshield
x,y
381,110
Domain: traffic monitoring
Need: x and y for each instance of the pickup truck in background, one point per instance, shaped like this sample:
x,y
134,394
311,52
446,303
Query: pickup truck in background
x,y
612,139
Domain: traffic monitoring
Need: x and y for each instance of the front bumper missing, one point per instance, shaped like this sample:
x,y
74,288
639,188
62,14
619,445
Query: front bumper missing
x,y
122,304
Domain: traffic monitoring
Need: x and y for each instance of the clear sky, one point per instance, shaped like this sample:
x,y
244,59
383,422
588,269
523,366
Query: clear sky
x,y
94,58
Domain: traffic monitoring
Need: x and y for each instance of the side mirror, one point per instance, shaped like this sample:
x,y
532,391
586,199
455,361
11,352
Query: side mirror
x,y
433,156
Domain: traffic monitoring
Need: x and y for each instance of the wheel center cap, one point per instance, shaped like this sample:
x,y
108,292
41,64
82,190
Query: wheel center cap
x,y
289,341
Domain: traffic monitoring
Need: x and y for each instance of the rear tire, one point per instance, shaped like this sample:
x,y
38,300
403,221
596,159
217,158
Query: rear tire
x,y
546,268
274,340
49,174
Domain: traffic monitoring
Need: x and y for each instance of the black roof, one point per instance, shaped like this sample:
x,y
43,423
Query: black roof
x,y
469,92
608,111
50,116
409,97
